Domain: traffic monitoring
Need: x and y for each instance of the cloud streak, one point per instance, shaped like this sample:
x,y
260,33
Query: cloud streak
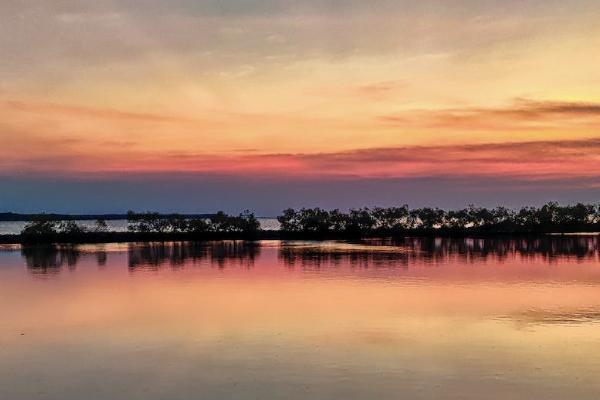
x,y
523,113
523,160
535,160
88,112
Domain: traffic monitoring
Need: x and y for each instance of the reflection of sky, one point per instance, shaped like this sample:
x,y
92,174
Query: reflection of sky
x,y
522,328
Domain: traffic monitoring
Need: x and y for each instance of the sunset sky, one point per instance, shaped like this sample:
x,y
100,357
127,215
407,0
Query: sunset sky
x,y
201,105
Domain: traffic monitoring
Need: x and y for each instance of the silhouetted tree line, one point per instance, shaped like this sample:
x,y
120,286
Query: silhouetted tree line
x,y
319,223
245,222
147,225
46,225
551,217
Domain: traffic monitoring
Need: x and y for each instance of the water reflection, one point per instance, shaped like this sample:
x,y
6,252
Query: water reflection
x,y
101,258
367,253
427,318
406,251
50,259
153,256
44,260
556,317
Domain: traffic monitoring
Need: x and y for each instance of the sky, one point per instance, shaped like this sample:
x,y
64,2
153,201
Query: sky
x,y
195,106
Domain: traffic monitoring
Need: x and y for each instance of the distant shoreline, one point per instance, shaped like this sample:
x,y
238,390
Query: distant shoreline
x,y
19,217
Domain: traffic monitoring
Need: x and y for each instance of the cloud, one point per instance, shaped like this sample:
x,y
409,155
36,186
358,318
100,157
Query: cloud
x,y
536,160
44,136
79,111
79,36
267,7
370,91
557,107
522,113
525,160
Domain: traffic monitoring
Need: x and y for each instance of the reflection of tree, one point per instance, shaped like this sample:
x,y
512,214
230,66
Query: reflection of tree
x,y
403,252
366,253
50,259
315,257
154,255
101,258
148,256
467,249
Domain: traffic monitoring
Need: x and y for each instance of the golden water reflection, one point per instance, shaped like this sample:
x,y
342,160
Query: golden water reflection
x,y
416,319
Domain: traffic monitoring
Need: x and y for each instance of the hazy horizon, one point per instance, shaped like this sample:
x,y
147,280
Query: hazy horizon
x,y
268,198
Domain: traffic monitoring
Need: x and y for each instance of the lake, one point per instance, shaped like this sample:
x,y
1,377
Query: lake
x,y
379,319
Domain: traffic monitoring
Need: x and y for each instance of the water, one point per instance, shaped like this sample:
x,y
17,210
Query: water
x,y
119,225
415,319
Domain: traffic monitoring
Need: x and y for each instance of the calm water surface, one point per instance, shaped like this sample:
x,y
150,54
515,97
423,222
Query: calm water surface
x,y
415,319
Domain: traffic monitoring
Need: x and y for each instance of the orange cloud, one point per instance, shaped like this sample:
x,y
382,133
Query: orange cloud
x,y
88,112
529,160
374,91
542,160
52,138
522,114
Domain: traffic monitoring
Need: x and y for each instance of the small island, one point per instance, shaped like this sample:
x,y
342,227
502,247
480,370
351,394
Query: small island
x,y
317,224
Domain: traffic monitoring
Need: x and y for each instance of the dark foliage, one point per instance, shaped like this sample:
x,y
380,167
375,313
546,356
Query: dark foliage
x,y
42,226
45,228
101,226
220,222
148,226
551,217
317,223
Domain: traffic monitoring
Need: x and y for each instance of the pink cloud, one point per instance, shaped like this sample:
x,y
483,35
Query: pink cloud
x,y
540,160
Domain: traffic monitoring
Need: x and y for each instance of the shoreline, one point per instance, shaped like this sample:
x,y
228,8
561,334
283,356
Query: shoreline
x,y
28,217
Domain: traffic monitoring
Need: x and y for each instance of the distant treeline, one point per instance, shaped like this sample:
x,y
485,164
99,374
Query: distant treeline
x,y
144,226
309,223
9,216
378,221
245,222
